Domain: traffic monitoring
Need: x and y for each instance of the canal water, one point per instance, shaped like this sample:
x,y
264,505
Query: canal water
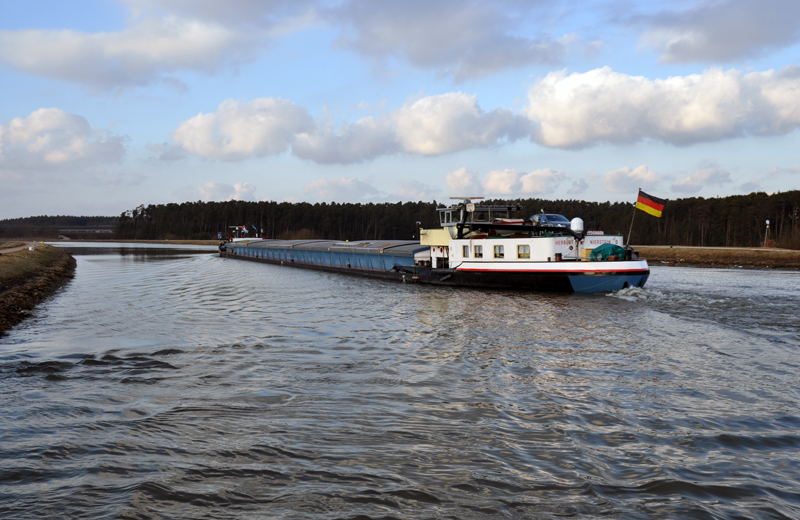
x,y
166,382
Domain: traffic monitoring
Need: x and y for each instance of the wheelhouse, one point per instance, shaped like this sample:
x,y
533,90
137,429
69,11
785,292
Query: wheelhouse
x,y
468,213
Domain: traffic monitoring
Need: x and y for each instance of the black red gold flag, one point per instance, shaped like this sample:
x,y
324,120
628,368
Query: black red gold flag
x,y
650,204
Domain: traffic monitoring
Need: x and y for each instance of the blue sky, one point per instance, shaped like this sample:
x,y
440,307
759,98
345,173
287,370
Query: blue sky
x,y
112,104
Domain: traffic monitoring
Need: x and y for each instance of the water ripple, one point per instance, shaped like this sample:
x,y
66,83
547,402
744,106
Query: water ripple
x,y
167,383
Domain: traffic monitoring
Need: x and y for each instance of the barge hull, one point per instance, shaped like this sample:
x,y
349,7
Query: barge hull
x,y
546,281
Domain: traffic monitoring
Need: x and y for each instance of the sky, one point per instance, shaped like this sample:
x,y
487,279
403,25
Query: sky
x,y
109,104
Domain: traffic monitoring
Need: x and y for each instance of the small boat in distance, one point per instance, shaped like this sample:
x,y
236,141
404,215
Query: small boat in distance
x,y
476,246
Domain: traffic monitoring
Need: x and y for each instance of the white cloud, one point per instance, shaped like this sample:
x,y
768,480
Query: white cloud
x,y
162,39
779,99
502,182
341,189
264,126
465,39
52,139
215,191
778,171
365,139
582,109
237,13
219,191
166,151
723,31
463,183
751,186
578,187
700,179
542,181
243,191
151,49
627,180
515,182
565,110
414,190
776,177
451,122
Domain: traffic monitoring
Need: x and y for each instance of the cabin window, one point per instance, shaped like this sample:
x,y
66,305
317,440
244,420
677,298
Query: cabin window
x,y
465,251
478,251
523,251
499,252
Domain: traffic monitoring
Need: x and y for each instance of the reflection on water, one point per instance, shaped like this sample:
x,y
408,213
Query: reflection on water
x,y
194,387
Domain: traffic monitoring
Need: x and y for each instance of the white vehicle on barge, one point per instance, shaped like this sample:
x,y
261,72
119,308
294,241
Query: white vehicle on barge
x,y
476,246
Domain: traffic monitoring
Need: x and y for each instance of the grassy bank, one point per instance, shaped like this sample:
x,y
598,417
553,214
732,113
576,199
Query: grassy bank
x,y
181,242
28,277
754,258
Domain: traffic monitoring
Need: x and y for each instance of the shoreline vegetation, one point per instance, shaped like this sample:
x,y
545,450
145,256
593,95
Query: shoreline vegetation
x,y
749,258
736,221
28,277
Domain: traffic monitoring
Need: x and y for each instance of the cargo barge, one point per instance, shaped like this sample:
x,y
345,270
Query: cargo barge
x,y
476,246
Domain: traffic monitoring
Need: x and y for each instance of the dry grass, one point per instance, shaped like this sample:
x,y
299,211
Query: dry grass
x,y
22,264
109,240
721,257
9,244
27,278
25,240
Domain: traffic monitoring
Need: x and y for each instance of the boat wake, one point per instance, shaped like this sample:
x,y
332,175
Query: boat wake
x,y
679,299
637,294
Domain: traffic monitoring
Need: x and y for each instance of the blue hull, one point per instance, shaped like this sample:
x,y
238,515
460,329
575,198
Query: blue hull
x,y
607,283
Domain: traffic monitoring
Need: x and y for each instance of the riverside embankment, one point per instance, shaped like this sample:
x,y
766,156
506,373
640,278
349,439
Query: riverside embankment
x,y
752,257
28,277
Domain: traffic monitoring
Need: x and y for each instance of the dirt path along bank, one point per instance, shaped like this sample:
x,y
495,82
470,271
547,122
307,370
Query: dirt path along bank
x,y
751,257
28,277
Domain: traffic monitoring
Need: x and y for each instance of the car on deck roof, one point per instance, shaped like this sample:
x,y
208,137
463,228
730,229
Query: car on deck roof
x,y
550,219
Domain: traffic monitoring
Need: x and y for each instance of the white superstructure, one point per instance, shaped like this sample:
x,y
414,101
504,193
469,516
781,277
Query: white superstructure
x,y
497,241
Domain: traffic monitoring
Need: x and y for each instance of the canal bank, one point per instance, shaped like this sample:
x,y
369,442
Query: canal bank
x,y
28,276
749,257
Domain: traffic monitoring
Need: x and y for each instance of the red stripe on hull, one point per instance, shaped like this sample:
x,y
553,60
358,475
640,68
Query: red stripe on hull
x,y
559,271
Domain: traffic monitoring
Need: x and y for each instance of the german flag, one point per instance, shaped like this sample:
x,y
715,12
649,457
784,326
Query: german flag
x,y
650,204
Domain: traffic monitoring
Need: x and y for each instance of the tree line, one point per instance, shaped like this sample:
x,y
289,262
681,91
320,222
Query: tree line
x,y
204,220
47,226
734,221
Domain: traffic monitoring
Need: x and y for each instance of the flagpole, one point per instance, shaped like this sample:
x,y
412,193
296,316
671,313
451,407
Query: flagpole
x,y
632,219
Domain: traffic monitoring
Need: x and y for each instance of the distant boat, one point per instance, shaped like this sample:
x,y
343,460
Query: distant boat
x,y
476,246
